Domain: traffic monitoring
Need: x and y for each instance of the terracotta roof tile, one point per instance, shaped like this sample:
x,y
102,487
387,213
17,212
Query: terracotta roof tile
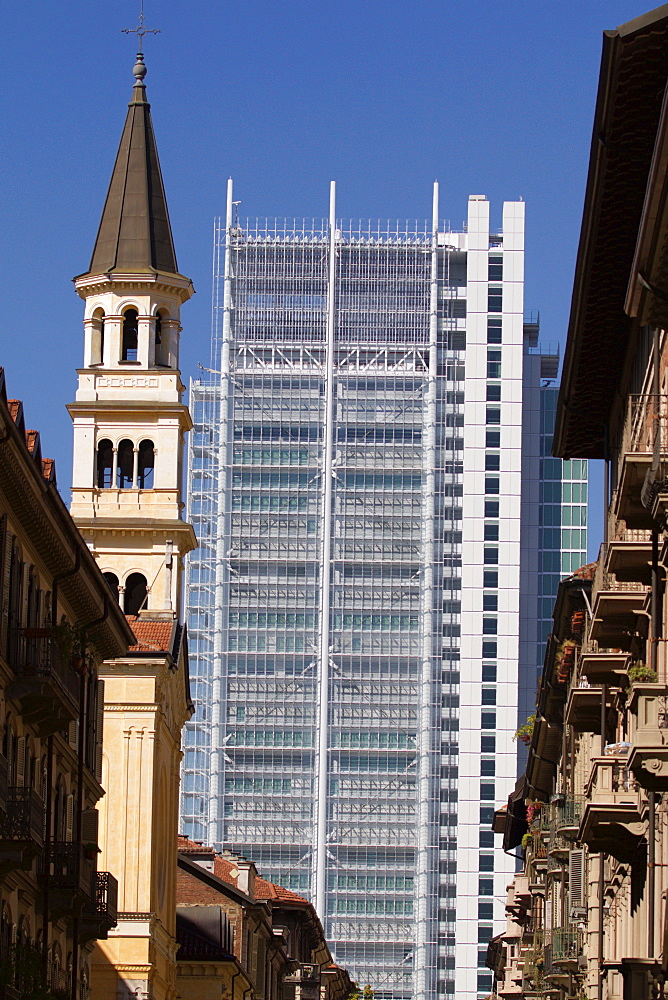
x,y
226,871
585,572
151,635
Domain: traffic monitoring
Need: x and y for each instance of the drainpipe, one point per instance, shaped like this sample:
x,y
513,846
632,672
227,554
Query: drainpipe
x,y
601,892
47,855
651,871
604,716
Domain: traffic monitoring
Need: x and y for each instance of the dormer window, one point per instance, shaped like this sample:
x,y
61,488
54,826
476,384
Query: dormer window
x,y
130,335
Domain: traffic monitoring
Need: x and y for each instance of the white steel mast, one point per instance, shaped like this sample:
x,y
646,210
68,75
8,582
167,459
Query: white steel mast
x,y
221,602
424,863
320,846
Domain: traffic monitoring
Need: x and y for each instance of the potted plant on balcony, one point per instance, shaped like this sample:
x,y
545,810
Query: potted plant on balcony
x,y
73,645
90,851
564,660
640,673
525,731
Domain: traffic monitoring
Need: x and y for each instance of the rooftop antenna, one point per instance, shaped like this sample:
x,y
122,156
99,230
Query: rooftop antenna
x,y
140,31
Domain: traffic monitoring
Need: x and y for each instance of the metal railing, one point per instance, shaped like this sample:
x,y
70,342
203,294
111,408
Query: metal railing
x,y
66,868
566,944
37,657
569,811
106,896
24,819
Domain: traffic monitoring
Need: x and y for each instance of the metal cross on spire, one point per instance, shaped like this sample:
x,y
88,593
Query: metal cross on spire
x,y
140,30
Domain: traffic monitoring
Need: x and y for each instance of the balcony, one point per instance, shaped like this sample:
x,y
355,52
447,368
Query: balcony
x,y
613,817
644,452
619,612
583,708
100,913
566,947
69,878
568,813
648,759
605,666
629,555
21,829
45,686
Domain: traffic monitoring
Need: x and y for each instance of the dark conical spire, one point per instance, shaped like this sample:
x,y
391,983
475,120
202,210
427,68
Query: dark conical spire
x,y
134,233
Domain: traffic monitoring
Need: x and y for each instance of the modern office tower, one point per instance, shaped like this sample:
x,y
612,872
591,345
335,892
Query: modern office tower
x,y
554,516
355,481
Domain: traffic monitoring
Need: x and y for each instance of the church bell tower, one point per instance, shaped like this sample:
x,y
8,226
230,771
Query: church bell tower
x,y
129,418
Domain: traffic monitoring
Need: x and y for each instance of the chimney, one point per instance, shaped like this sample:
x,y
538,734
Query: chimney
x,y
246,876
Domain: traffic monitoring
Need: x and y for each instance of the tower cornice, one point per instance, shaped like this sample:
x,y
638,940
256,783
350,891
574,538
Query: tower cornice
x,y
123,282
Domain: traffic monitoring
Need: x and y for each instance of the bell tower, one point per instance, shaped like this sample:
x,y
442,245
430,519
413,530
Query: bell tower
x,y
129,418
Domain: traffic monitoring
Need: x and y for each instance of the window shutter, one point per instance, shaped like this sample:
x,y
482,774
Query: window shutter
x,y
69,817
73,734
20,760
6,572
99,719
576,882
89,826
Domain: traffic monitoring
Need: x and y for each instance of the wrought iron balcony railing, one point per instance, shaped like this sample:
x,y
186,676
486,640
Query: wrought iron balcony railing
x,y
45,684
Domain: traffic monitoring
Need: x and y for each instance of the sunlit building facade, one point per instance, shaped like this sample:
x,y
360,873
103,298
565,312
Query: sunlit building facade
x,y
355,481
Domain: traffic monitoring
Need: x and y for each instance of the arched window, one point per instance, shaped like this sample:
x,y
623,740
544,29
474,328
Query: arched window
x,y
135,593
130,335
145,466
158,339
126,458
97,338
105,464
112,580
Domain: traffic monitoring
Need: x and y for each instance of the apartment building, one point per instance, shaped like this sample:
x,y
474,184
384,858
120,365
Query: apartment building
x,y
58,622
587,915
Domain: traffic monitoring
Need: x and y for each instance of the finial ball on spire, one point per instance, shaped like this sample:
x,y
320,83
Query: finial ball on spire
x,y
139,69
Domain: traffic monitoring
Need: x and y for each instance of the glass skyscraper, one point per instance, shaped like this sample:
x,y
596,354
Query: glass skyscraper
x,y
356,483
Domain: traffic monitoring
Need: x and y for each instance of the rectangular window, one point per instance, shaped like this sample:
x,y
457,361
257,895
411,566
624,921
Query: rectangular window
x,y
490,602
494,393
486,838
493,440
490,626
489,672
489,649
495,267
486,863
493,369
492,485
492,462
488,744
486,815
491,532
487,769
493,415
490,578
487,791
495,300
484,982
485,912
485,887
484,931
488,696
488,720
491,555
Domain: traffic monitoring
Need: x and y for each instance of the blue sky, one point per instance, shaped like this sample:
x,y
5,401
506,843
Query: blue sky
x,y
490,98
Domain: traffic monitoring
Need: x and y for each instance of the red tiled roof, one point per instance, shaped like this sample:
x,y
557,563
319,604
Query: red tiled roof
x,y
268,890
14,406
151,635
49,470
585,572
32,439
226,870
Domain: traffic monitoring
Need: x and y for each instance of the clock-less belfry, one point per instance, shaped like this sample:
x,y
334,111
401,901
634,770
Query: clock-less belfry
x,y
129,430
